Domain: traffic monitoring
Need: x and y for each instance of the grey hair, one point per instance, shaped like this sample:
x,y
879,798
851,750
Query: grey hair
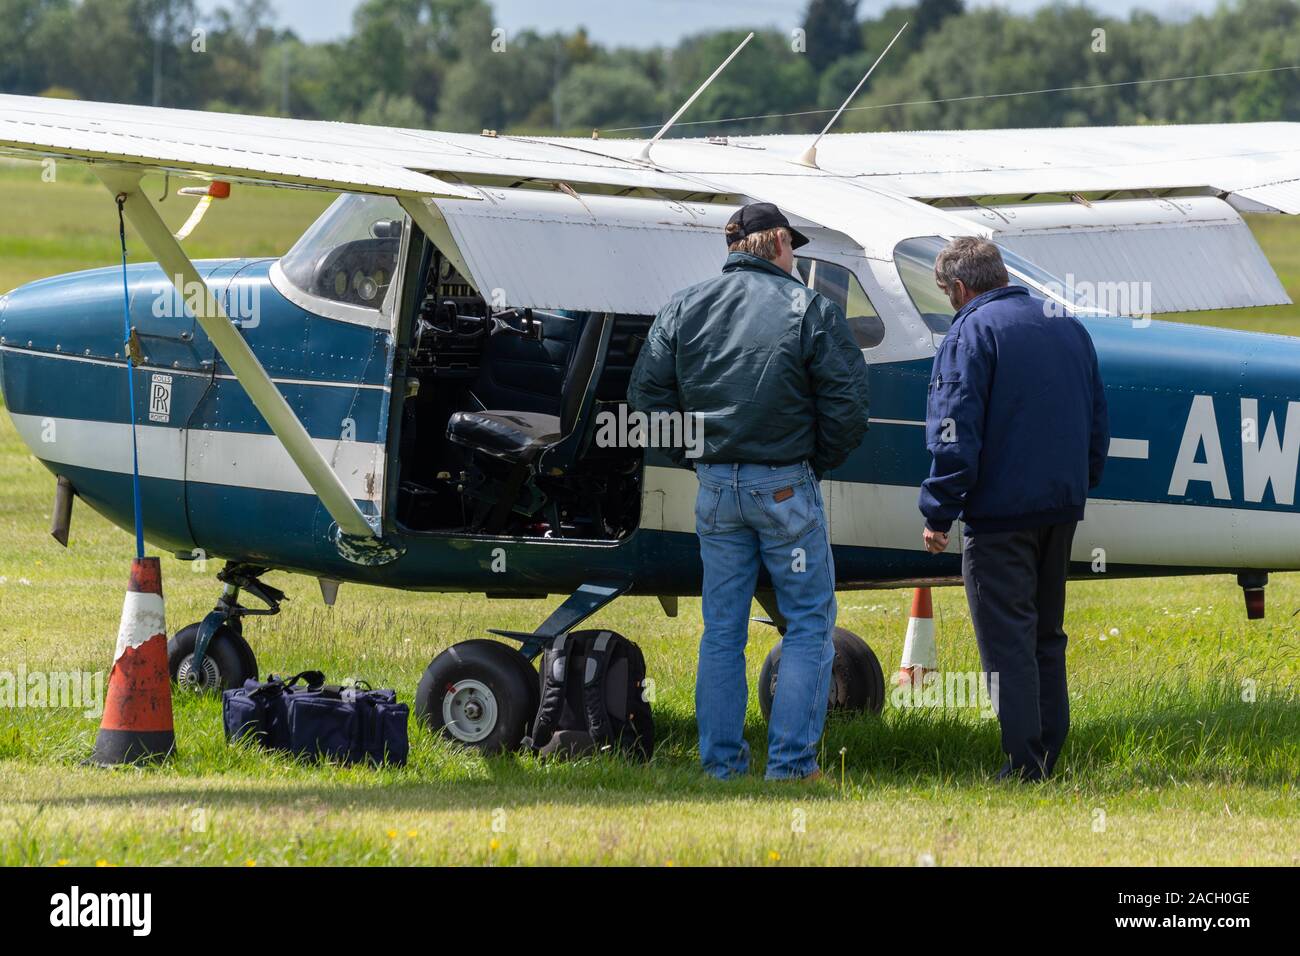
x,y
975,261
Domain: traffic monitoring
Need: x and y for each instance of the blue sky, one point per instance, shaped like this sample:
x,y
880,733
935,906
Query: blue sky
x,y
645,22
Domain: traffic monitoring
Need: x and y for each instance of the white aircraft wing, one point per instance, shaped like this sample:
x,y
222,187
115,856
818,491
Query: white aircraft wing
x,y
875,188
1259,162
206,145
275,150
1251,162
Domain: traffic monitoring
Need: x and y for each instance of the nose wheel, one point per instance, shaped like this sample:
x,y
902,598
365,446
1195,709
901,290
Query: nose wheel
x,y
228,662
212,655
480,693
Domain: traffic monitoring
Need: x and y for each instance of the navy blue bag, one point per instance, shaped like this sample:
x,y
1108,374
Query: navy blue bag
x,y
348,724
260,710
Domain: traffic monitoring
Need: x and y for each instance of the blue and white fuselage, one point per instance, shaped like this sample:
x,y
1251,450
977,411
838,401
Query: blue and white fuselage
x,y
1201,476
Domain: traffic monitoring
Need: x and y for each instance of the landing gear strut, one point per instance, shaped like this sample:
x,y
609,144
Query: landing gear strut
x,y
213,655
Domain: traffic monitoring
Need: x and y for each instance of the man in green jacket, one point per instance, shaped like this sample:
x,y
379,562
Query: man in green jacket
x,y
778,388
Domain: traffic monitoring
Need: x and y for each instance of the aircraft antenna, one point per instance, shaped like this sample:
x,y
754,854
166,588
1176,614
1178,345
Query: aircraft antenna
x,y
645,152
809,157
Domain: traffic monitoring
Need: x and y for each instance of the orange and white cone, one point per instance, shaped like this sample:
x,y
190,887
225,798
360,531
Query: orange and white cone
x,y
918,648
137,721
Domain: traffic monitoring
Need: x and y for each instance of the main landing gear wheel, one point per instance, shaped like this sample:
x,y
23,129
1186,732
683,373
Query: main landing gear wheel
x,y
857,682
480,693
229,660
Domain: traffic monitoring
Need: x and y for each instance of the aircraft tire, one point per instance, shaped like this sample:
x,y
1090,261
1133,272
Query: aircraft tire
x,y
479,693
228,663
857,680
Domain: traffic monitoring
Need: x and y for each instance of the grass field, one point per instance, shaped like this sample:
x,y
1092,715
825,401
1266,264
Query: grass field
x,y
1185,746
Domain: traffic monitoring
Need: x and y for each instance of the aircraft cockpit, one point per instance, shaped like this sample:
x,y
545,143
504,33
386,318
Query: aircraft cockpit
x,y
495,406
498,416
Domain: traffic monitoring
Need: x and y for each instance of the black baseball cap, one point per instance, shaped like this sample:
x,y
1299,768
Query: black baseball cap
x,y
760,216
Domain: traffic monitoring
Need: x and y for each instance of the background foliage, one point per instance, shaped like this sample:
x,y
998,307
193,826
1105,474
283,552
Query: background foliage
x,y
438,63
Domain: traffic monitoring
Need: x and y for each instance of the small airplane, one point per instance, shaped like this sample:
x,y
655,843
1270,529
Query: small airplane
x,y
411,396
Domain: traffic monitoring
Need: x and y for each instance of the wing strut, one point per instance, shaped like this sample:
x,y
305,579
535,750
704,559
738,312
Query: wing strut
x,y
232,347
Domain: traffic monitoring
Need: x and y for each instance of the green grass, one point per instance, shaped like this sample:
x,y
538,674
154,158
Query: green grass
x,y
1166,763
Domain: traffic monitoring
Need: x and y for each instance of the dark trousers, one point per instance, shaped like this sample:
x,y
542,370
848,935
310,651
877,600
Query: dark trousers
x,y
1015,583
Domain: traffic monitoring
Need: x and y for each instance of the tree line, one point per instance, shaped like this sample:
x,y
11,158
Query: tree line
x,y
447,64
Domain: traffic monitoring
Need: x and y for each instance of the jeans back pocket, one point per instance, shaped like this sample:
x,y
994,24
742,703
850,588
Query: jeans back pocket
x,y
787,512
706,508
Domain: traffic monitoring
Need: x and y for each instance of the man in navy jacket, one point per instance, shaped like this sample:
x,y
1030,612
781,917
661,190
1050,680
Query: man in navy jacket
x,y
1017,425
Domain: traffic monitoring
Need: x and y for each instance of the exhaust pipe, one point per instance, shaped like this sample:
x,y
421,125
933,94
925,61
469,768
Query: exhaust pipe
x,y
61,517
1252,585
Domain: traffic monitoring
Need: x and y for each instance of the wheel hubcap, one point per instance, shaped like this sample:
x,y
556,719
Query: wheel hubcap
x,y
209,675
469,711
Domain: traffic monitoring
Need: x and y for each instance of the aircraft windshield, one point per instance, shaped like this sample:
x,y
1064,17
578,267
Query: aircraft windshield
x,y
915,261
349,255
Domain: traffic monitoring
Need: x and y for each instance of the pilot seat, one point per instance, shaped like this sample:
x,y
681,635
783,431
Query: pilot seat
x,y
512,449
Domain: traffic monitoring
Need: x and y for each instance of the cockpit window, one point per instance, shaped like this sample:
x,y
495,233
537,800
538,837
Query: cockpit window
x,y
915,261
842,287
349,255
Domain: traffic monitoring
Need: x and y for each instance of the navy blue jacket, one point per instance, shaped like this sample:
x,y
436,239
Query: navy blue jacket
x,y
1016,418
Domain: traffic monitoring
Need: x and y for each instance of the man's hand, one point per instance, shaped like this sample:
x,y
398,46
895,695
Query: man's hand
x,y
935,541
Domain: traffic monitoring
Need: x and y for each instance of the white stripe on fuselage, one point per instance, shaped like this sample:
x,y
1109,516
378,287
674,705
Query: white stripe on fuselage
x,y
209,456
860,514
1119,447
1130,448
1116,532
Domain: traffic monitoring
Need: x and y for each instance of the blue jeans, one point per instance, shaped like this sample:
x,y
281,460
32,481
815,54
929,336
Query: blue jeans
x,y
769,514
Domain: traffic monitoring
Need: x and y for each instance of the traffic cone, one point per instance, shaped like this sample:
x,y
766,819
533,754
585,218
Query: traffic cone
x,y
918,647
137,721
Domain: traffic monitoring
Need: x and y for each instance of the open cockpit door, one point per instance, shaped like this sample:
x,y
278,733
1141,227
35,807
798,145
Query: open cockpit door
x,y
530,309
561,254
537,249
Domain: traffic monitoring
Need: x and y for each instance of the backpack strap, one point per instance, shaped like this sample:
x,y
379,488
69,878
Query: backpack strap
x,y
599,650
555,671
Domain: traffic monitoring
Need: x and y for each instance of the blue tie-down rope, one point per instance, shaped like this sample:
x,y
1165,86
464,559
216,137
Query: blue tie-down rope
x,y
130,384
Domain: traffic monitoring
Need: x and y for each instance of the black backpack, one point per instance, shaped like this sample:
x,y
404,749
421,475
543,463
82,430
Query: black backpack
x,y
592,697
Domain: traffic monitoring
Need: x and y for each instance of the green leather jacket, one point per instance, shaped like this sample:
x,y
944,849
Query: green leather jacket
x,y
768,365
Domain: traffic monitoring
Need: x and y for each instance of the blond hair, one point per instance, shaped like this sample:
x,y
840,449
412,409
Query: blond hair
x,y
762,244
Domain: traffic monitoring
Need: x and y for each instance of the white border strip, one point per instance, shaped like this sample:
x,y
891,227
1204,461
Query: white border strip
x,y
1138,448
1120,532
208,456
